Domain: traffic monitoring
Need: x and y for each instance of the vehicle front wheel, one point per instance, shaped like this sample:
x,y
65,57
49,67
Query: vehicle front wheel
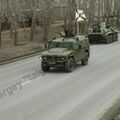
x,y
45,68
69,65
85,60
108,40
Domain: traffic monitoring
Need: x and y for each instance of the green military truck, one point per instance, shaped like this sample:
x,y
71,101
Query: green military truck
x,y
65,53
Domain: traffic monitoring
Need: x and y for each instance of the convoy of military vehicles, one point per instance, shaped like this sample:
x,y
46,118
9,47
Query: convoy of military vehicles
x,y
65,52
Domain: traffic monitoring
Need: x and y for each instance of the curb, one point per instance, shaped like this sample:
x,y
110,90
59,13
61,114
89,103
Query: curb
x,y
11,60
112,111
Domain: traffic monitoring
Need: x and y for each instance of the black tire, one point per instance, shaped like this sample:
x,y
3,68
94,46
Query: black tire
x,y
85,60
69,65
45,68
108,40
116,37
111,39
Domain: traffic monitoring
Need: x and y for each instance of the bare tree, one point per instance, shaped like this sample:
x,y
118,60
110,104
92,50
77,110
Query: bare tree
x,y
69,19
0,35
117,12
47,18
0,30
33,9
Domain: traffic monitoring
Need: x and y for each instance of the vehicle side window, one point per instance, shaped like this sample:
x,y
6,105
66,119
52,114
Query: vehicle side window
x,y
57,45
68,45
54,45
49,44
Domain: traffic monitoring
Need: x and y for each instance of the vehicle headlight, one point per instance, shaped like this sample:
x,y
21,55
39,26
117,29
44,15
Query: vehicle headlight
x,y
44,57
63,58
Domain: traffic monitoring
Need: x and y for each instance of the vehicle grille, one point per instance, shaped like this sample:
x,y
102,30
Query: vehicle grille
x,y
53,58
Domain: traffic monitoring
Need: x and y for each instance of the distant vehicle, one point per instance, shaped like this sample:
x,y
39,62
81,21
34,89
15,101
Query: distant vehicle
x,y
65,52
103,34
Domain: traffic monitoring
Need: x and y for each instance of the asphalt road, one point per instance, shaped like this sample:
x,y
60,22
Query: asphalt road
x,y
26,93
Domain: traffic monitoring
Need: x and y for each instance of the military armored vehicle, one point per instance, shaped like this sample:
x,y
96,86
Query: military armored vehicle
x,y
65,52
103,34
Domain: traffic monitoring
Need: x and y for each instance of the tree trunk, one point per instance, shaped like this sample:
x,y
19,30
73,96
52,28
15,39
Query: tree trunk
x,y
33,21
15,35
32,29
45,34
15,24
0,36
118,18
47,20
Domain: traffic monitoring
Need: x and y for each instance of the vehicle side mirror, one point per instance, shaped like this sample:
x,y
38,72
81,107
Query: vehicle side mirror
x,y
46,46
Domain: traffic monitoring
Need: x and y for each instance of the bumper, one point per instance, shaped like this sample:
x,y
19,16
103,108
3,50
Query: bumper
x,y
53,64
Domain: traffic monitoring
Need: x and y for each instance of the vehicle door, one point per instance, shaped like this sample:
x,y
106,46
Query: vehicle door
x,y
78,52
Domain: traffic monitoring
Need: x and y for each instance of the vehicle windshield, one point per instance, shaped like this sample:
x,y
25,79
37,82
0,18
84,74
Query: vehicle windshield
x,y
68,45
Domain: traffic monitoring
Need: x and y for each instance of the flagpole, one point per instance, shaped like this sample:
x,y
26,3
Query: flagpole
x,y
78,29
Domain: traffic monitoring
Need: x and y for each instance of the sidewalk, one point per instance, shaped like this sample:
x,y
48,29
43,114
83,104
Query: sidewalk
x,y
20,51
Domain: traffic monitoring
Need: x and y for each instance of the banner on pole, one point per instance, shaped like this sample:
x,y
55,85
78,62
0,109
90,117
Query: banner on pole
x,y
80,15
